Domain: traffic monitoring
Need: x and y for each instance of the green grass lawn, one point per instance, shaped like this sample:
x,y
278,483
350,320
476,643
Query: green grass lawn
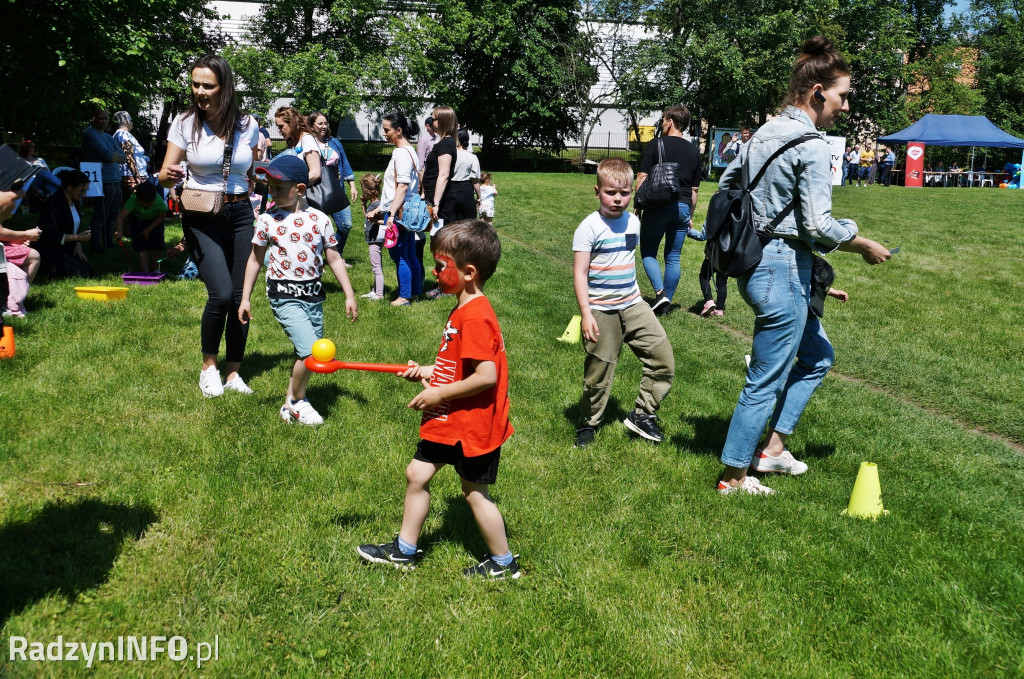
x,y
131,505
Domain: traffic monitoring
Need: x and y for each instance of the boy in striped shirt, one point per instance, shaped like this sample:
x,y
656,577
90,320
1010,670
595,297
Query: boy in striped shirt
x,y
613,312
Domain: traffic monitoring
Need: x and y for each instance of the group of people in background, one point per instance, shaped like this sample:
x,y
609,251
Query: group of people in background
x,y
867,166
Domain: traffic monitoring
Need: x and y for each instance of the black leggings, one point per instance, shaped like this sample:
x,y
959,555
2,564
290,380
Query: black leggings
x,y
220,247
721,284
463,204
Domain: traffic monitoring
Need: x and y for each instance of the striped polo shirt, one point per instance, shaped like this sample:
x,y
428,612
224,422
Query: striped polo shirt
x,y
611,243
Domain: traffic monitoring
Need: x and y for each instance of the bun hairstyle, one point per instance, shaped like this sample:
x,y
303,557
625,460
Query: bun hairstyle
x,y
410,128
71,178
463,137
819,63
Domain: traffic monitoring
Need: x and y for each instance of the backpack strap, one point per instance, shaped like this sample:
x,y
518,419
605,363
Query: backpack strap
x,y
750,185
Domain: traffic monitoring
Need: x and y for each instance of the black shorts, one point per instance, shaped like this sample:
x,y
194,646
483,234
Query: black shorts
x,y
480,469
140,244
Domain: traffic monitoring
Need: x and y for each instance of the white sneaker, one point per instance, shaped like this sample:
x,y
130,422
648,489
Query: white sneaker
x,y
371,295
750,486
237,384
783,464
209,382
301,411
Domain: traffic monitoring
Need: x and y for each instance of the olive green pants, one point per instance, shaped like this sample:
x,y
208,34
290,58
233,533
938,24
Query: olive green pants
x,y
638,327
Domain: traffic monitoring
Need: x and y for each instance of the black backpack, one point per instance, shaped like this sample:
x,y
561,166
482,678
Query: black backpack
x,y
733,243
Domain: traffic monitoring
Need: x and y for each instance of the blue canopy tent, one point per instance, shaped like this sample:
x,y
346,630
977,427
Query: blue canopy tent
x,y
938,130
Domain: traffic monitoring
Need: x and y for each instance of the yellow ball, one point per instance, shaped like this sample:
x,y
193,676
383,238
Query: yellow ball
x,y
323,350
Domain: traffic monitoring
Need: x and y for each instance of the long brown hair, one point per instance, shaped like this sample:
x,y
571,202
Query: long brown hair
x,y
820,63
230,117
297,122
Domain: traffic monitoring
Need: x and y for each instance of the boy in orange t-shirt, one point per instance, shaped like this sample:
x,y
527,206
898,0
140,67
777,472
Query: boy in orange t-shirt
x,y
464,404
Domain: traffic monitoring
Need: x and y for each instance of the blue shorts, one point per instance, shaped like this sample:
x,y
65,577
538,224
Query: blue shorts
x,y
303,322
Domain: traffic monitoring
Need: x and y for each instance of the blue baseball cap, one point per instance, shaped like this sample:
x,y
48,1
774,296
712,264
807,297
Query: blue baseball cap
x,y
289,169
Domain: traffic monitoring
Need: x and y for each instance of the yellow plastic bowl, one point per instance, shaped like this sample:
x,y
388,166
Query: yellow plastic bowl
x,y
102,293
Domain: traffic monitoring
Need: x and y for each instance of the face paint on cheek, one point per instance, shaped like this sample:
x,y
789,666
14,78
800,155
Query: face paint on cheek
x,y
447,278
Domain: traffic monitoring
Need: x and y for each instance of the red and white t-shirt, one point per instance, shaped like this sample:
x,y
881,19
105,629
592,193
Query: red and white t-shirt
x,y
296,242
480,421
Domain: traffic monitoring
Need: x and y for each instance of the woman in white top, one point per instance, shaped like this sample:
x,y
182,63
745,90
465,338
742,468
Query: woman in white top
x,y
219,245
402,180
298,139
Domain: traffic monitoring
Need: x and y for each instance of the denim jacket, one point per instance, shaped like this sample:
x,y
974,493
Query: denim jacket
x,y
805,169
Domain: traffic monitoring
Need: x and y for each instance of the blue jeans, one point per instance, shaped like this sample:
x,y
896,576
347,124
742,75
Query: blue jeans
x,y
777,391
671,223
410,268
342,224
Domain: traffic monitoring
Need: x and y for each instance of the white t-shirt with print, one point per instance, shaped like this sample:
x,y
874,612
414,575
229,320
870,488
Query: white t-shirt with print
x,y
405,163
205,154
295,243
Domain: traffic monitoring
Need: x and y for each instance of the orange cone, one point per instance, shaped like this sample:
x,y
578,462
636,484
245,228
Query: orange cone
x,y
7,343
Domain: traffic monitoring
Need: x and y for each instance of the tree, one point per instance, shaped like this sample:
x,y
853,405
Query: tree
x,y
66,55
728,60
496,68
875,37
629,56
941,85
999,34
333,56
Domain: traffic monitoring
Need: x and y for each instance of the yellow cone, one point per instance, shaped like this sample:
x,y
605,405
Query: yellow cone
x,y
572,331
866,499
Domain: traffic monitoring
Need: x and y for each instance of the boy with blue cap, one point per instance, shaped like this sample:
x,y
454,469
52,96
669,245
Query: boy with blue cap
x,y
300,239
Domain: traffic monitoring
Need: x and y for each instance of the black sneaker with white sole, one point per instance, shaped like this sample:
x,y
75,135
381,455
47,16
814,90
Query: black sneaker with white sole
x,y
492,570
642,424
584,437
661,303
389,553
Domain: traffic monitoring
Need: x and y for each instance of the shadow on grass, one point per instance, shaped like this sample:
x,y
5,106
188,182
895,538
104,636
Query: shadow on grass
x,y
67,548
326,397
818,450
256,363
350,520
613,412
708,435
457,524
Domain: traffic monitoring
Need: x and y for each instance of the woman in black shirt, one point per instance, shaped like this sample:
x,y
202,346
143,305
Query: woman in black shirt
x,y
440,166
672,220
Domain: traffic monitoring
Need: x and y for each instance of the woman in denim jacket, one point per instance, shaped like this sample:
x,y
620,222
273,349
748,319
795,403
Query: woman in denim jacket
x,y
778,290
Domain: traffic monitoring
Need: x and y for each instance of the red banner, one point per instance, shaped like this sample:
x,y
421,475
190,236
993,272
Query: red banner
x,y
915,164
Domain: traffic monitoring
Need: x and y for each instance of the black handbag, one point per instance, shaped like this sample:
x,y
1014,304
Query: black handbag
x,y
327,194
661,186
734,244
822,276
